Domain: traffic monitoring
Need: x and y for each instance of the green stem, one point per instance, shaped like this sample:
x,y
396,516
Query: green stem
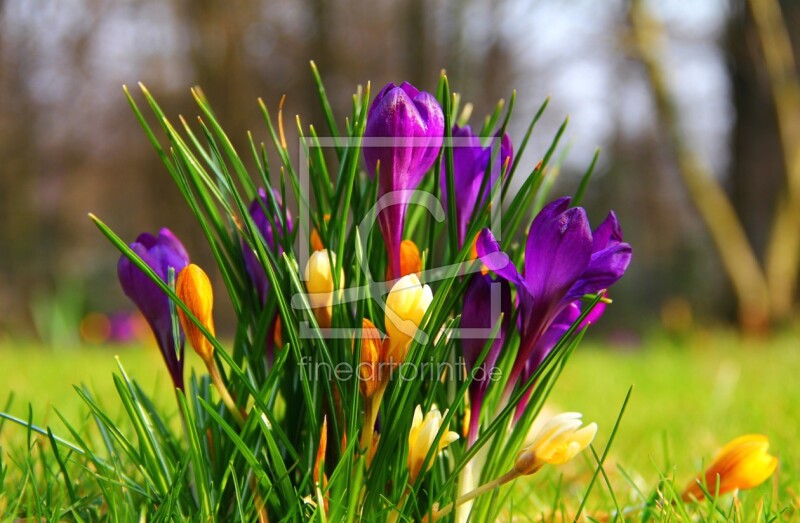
x,y
472,494
213,371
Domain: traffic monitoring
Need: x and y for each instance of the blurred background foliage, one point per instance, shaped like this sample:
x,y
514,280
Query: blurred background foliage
x,y
69,143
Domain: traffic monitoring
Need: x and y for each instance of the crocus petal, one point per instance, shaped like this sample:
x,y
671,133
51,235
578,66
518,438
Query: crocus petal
x,y
431,113
495,259
194,288
253,266
415,123
610,259
256,209
558,441
743,463
421,437
478,313
605,268
557,253
607,233
594,315
467,156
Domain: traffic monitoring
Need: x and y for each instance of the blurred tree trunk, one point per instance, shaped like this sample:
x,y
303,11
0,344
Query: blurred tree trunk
x,y
497,61
724,225
757,173
773,27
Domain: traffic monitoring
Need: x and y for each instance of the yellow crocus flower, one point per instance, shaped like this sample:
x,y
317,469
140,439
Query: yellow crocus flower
x,y
742,464
421,436
558,441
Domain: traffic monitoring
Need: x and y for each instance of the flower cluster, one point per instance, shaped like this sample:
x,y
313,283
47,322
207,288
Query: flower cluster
x,y
289,309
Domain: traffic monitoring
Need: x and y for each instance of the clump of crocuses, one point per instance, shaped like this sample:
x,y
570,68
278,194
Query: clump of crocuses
x,y
445,351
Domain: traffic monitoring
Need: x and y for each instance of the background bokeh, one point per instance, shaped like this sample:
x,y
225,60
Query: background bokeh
x,y
69,143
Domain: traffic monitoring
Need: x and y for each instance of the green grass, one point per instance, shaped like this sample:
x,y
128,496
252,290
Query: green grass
x,y
46,380
695,396
688,399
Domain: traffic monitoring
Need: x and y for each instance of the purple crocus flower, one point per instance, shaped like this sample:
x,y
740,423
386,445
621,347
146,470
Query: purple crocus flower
x,y
479,313
254,268
160,253
411,124
470,161
564,260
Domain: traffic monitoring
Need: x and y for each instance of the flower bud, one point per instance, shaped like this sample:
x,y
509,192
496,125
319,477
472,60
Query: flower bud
x,y
316,240
194,289
410,260
421,437
161,252
369,365
742,464
406,305
470,164
403,137
320,285
558,441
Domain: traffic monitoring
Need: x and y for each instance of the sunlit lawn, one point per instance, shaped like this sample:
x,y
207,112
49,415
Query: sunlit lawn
x,y
688,399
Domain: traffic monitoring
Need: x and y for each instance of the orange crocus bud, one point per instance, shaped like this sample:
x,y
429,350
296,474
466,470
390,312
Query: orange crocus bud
x,y
315,239
410,260
371,354
742,464
320,478
323,446
194,289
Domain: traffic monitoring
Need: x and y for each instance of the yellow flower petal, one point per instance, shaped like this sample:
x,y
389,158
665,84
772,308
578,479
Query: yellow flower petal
x,y
320,285
406,305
